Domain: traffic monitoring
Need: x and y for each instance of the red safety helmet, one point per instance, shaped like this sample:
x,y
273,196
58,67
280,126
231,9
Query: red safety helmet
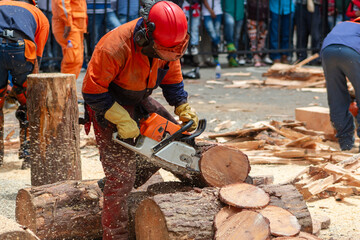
x,y
170,34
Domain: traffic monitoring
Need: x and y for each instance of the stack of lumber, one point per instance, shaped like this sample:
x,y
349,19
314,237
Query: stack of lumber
x,y
295,76
339,180
286,142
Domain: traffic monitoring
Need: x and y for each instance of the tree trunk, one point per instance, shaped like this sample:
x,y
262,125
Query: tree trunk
x,y
10,230
54,130
288,197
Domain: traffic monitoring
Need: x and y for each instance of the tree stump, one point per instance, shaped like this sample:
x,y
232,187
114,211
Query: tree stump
x,y
54,130
10,230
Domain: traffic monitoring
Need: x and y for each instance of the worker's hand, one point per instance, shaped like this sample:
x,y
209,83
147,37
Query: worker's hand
x,y
67,30
126,126
186,114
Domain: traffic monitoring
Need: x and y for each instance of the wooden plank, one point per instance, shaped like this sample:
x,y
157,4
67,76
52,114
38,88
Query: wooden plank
x,y
248,145
316,118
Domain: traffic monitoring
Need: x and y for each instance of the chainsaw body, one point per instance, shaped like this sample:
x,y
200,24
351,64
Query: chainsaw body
x,y
166,144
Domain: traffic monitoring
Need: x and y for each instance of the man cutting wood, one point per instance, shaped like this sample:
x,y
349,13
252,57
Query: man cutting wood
x,y
127,65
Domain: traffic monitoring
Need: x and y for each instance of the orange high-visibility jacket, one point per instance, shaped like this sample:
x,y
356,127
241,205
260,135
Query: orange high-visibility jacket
x,y
71,12
118,71
29,20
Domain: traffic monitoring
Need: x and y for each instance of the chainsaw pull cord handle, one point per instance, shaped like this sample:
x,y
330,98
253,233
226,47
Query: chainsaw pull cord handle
x,y
173,137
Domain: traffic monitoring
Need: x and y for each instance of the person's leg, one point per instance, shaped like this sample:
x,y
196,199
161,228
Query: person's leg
x,y
209,24
72,57
119,166
229,28
112,21
337,62
302,32
286,20
19,70
274,36
315,31
3,88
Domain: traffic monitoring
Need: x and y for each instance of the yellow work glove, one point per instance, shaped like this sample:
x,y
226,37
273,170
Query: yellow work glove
x,y
186,114
126,126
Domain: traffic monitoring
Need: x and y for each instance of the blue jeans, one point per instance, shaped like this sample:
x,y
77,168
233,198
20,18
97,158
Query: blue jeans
x,y
194,28
124,19
212,26
232,29
101,27
284,27
339,62
12,59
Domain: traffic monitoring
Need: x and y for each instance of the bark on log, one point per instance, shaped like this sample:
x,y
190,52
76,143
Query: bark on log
x,y
62,210
288,197
185,215
10,230
54,130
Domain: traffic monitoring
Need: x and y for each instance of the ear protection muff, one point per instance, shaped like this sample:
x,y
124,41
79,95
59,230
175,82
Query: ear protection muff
x,y
143,36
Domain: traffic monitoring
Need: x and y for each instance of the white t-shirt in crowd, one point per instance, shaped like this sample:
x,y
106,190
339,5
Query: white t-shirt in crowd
x,y
216,7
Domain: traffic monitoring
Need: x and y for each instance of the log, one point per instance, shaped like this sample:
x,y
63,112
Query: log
x,y
282,222
61,210
247,224
243,195
10,230
54,130
221,165
185,215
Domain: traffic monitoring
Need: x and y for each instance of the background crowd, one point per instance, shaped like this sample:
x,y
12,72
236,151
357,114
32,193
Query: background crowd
x,y
256,32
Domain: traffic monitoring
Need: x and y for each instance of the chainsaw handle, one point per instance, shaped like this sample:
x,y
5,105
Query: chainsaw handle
x,y
173,137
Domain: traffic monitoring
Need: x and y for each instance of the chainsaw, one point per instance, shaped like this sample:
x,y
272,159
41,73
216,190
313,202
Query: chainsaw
x,y
167,145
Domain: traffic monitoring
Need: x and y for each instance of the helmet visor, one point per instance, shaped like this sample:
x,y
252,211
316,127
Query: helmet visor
x,y
172,53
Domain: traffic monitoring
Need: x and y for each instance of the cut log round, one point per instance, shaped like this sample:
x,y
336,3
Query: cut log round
x,y
10,230
224,214
247,224
282,222
288,197
243,195
221,165
53,128
184,215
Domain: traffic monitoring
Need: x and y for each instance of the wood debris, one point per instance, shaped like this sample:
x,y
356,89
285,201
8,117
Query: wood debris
x,y
295,76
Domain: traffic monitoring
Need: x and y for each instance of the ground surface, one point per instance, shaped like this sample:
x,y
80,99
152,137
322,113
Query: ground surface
x,y
216,104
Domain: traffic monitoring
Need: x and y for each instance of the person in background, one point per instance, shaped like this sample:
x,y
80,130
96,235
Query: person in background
x,y
233,21
102,19
52,49
282,19
126,66
21,49
340,55
69,24
213,13
193,7
126,10
257,30
353,10
308,23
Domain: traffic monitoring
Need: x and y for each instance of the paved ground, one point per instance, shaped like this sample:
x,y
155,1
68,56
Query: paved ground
x,y
216,104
